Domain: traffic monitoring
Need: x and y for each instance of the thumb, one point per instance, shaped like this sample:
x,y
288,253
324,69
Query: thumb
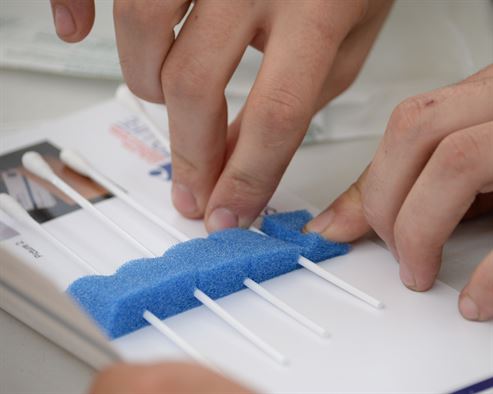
x,y
476,299
344,219
73,19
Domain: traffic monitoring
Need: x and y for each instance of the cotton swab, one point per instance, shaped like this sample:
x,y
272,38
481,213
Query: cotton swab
x,y
127,98
225,316
319,271
290,311
164,329
12,208
34,162
329,277
77,163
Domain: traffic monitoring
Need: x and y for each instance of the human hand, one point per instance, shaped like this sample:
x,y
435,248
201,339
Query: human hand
x,y
313,51
162,378
434,166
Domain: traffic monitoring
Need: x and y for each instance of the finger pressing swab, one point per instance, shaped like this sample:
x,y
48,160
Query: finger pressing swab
x,y
12,208
329,277
35,163
127,98
225,316
79,164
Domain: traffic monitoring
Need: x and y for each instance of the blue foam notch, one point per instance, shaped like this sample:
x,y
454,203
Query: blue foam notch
x,y
288,226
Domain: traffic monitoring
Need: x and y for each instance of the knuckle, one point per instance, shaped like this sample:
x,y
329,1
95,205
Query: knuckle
x,y
152,95
346,78
140,87
410,118
183,167
138,12
322,26
459,153
243,188
280,112
186,80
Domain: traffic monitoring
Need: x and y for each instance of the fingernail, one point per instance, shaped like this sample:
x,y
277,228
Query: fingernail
x,y
468,308
183,199
64,22
222,218
407,277
321,222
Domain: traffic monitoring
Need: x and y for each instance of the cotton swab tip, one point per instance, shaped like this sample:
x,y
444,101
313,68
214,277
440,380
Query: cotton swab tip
x,y
10,206
75,161
35,163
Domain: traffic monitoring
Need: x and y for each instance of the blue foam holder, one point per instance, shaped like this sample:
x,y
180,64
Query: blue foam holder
x,y
217,265
288,226
117,302
267,257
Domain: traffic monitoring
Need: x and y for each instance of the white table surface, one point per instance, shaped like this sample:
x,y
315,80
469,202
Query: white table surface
x,y
28,362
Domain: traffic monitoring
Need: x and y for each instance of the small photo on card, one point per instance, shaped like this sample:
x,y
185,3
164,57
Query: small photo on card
x,y
42,200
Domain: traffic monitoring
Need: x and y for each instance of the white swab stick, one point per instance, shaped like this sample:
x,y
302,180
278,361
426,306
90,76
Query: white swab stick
x,y
35,163
225,316
79,164
319,271
268,296
127,98
329,277
164,329
12,208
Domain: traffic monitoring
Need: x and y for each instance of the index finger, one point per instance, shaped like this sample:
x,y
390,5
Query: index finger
x,y
276,116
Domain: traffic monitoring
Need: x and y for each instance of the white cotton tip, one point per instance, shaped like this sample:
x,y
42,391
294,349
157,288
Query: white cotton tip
x,y
15,210
75,161
127,98
35,163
